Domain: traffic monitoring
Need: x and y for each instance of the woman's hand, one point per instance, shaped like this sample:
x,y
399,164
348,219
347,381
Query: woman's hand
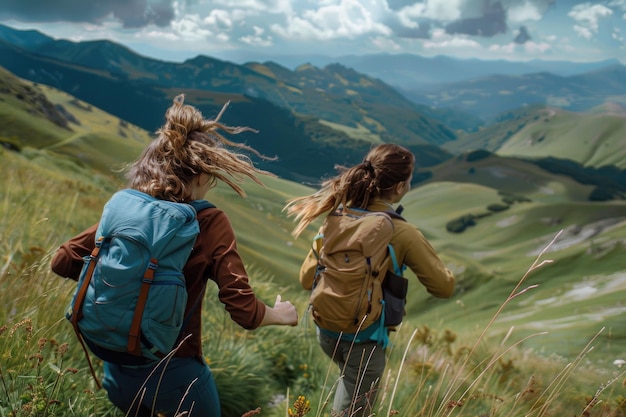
x,y
283,313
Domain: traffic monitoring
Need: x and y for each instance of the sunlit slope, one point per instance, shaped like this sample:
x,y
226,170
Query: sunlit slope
x,y
99,139
41,117
596,138
511,175
591,139
578,292
26,117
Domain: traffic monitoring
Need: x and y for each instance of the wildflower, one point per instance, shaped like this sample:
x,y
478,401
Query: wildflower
x,y
62,349
26,324
37,356
301,407
41,343
449,336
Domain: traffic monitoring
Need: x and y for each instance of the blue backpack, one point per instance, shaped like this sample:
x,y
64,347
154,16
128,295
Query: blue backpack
x,y
129,307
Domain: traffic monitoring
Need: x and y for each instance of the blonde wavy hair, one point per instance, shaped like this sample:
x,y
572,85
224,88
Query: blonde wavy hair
x,y
382,169
186,146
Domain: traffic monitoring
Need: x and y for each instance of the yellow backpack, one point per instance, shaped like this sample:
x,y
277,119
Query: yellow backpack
x,y
353,257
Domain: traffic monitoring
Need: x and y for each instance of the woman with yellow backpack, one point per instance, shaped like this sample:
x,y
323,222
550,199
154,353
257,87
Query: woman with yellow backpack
x,y
356,259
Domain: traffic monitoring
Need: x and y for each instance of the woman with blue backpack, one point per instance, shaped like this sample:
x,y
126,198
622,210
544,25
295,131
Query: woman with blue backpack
x,y
363,240
167,185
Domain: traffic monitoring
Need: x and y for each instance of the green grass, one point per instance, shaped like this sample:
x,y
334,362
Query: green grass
x,y
356,133
593,140
429,372
508,343
537,132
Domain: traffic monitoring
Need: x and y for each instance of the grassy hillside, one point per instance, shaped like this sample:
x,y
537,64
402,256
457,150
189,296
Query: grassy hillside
x,y
493,253
44,118
591,139
577,294
594,140
510,175
51,190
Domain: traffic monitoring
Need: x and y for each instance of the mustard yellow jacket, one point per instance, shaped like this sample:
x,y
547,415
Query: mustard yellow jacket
x,y
412,249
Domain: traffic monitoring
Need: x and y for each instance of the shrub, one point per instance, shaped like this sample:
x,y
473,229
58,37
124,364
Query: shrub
x,y
459,224
477,155
601,194
497,207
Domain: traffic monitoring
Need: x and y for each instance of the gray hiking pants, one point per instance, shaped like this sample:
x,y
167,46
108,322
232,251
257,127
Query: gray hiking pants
x,y
361,367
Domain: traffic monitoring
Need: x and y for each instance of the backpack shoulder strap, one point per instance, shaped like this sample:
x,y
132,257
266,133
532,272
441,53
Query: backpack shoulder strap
x,y
396,214
397,269
78,304
200,205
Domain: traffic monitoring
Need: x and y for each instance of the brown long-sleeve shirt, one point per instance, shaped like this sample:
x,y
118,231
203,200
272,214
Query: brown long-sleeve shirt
x,y
214,257
412,249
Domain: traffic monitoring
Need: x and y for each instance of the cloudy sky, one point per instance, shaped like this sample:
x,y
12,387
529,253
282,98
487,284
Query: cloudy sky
x,y
240,30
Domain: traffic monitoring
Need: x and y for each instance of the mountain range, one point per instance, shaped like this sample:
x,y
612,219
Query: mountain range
x,y
312,118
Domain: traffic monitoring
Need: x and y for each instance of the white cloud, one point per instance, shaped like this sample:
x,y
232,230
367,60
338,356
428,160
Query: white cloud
x,y
587,17
620,4
266,6
524,12
530,49
583,32
348,19
190,28
385,44
441,40
617,3
535,48
508,48
337,27
257,39
157,35
444,10
219,18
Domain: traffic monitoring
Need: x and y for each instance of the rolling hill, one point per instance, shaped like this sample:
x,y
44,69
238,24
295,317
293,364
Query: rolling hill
x,y
47,119
517,210
592,139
